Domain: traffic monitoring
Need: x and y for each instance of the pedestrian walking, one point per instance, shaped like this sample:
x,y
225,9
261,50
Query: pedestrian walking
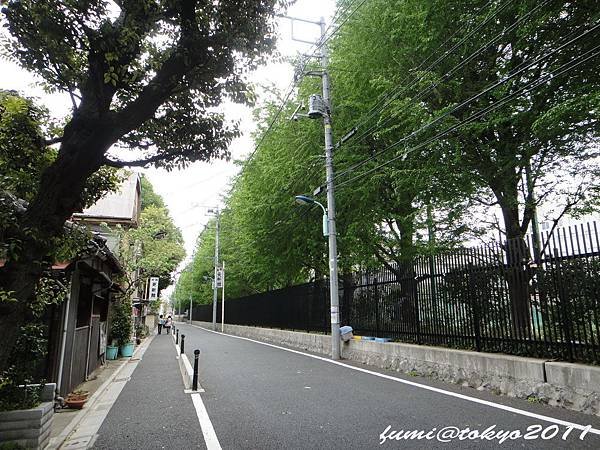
x,y
161,322
168,324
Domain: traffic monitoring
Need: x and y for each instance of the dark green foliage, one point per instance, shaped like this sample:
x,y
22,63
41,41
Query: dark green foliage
x,y
121,323
29,352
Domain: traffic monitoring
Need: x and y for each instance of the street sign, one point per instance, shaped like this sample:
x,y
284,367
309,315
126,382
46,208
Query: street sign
x,y
153,291
220,276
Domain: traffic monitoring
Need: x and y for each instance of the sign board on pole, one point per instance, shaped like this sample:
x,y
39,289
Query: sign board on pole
x,y
219,277
153,291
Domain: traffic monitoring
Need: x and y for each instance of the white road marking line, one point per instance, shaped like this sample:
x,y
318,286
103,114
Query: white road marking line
x,y
210,437
421,386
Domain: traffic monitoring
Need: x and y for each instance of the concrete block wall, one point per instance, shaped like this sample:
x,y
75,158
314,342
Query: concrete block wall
x,y
572,386
29,428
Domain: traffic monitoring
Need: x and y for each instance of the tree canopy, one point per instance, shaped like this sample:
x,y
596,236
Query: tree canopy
x,y
145,78
454,131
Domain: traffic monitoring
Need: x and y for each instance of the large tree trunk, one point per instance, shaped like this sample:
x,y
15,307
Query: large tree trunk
x,y
517,273
58,197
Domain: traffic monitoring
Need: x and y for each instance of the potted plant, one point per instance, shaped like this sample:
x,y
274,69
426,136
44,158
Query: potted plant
x,y
121,327
77,399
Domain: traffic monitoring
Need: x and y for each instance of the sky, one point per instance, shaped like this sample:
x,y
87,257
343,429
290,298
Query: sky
x,y
189,192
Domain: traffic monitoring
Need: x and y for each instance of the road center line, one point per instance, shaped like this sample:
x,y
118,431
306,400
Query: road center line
x,y
421,386
210,437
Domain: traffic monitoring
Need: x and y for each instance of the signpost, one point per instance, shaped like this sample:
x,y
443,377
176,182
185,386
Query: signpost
x,y
153,291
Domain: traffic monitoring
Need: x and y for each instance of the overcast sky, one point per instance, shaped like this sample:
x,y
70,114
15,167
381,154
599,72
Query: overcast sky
x,y
188,191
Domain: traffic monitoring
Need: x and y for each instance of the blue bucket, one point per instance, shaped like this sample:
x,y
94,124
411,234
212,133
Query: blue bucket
x,y
111,352
127,350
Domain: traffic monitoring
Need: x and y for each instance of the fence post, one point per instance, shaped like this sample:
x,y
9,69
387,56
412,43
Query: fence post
x,y
376,294
563,299
182,344
195,378
474,308
177,337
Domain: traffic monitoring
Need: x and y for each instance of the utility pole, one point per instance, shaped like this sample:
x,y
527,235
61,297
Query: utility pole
x,y
223,298
190,309
215,289
333,263
316,109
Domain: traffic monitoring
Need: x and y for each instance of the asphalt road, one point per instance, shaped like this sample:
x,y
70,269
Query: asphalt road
x,y
152,411
260,397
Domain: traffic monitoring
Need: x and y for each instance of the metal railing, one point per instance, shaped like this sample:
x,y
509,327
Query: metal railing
x,y
497,298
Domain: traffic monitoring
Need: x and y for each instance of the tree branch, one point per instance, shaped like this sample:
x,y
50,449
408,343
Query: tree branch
x,y
54,140
136,163
484,203
166,79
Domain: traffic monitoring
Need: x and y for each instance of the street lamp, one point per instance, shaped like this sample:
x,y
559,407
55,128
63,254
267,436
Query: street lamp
x,y
306,200
329,230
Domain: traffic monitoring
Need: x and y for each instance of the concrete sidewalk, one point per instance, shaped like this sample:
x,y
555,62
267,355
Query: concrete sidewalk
x,y
152,411
67,421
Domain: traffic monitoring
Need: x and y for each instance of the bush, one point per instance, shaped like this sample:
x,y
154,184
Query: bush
x,y
13,396
16,391
121,322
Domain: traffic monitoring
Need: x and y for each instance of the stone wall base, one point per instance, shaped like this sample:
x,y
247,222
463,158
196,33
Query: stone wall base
x,y
571,386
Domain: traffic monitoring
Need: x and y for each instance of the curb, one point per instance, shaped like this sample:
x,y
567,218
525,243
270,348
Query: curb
x,y
186,369
72,426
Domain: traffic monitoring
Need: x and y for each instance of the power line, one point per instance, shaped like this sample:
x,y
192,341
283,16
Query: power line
x,y
291,88
327,38
394,92
519,70
399,89
525,89
294,83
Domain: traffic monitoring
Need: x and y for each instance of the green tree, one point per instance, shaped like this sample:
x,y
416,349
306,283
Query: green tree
x,y
161,244
149,197
146,74
519,87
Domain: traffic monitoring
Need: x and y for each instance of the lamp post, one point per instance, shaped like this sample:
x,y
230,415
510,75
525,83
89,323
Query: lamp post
x,y
329,230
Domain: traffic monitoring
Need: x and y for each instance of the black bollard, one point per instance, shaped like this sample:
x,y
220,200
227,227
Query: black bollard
x,y
182,344
195,379
177,337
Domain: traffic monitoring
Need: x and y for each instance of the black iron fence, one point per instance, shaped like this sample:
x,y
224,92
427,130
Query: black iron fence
x,y
517,297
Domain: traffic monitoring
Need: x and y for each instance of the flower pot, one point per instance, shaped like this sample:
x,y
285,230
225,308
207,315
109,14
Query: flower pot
x,y
127,349
75,402
111,352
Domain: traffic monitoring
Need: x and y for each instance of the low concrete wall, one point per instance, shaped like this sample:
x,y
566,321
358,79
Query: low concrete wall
x,y
573,386
29,428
